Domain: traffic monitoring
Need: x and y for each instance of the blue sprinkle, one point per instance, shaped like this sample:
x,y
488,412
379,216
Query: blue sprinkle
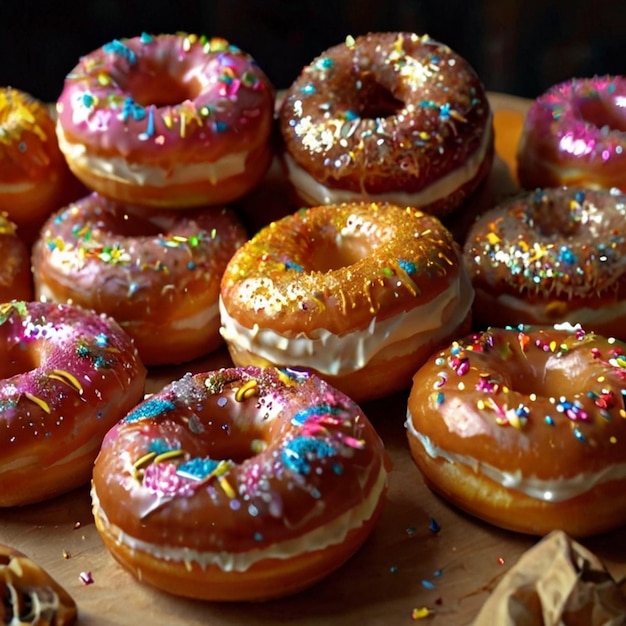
x,y
221,127
150,127
120,49
290,265
324,64
440,398
159,446
198,468
408,266
579,435
88,100
146,38
444,111
131,108
318,409
258,536
393,569
549,420
191,265
351,115
579,196
298,454
308,89
102,340
427,584
153,407
567,256
434,526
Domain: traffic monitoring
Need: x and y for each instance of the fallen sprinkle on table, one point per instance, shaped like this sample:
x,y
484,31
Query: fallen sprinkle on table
x,y
427,584
66,554
86,578
420,613
434,526
500,561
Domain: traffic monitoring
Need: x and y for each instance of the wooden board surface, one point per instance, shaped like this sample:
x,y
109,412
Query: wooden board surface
x,y
404,565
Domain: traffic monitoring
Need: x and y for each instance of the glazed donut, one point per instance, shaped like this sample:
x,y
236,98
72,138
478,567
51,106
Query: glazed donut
x,y
34,177
550,256
359,293
67,376
239,484
157,273
575,134
16,281
524,428
387,117
30,595
169,121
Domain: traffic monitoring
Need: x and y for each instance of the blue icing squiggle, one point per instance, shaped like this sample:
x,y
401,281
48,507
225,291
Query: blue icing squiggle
x,y
298,454
318,409
152,407
198,468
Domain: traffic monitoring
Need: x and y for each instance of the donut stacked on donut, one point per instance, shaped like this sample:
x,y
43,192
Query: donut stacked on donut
x,y
575,134
549,256
387,117
67,375
359,293
170,121
34,177
239,484
524,427
157,273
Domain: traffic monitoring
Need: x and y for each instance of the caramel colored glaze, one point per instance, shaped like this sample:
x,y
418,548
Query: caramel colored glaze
x,y
239,484
172,120
34,177
30,595
156,272
549,256
575,134
335,289
524,427
388,113
16,281
66,376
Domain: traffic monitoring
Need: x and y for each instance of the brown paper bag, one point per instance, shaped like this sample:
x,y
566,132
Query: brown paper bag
x,y
556,583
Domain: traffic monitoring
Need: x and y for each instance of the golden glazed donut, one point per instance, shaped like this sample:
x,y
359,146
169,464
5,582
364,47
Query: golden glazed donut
x,y
358,293
575,134
16,282
525,428
157,273
67,375
551,255
239,484
170,121
387,117
30,595
34,177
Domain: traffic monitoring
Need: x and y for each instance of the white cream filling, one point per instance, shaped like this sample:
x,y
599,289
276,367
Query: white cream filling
x,y
314,192
119,169
557,490
333,354
582,315
330,534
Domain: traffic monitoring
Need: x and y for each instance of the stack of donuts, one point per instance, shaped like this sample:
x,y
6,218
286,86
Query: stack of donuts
x,y
505,336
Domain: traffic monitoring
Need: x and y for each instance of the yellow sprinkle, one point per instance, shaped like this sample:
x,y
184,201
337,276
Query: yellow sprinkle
x,y
144,461
613,439
103,80
552,346
622,413
226,486
38,401
493,239
247,390
420,613
66,377
350,41
167,456
480,405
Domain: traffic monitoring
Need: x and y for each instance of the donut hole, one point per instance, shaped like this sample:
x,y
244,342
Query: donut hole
x,y
336,254
375,100
161,89
17,361
603,114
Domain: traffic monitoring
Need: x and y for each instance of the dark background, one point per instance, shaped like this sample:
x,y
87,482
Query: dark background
x,y
521,48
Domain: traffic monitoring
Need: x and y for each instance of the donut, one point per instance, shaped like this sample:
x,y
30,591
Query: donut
x,y
358,293
30,595
67,375
575,134
524,427
34,177
156,272
239,484
168,121
550,256
16,282
387,117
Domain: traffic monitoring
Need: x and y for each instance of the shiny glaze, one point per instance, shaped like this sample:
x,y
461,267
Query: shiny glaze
x,y
151,109
16,281
575,134
157,272
235,468
550,255
389,113
67,375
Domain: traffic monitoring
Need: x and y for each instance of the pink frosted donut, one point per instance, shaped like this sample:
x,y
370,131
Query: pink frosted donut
x,y
169,120
239,484
158,274
575,134
67,376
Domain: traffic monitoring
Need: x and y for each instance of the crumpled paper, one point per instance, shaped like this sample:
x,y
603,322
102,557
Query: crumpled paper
x,y
558,582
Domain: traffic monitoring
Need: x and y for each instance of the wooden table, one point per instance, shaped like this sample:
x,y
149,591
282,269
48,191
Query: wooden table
x,y
404,565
